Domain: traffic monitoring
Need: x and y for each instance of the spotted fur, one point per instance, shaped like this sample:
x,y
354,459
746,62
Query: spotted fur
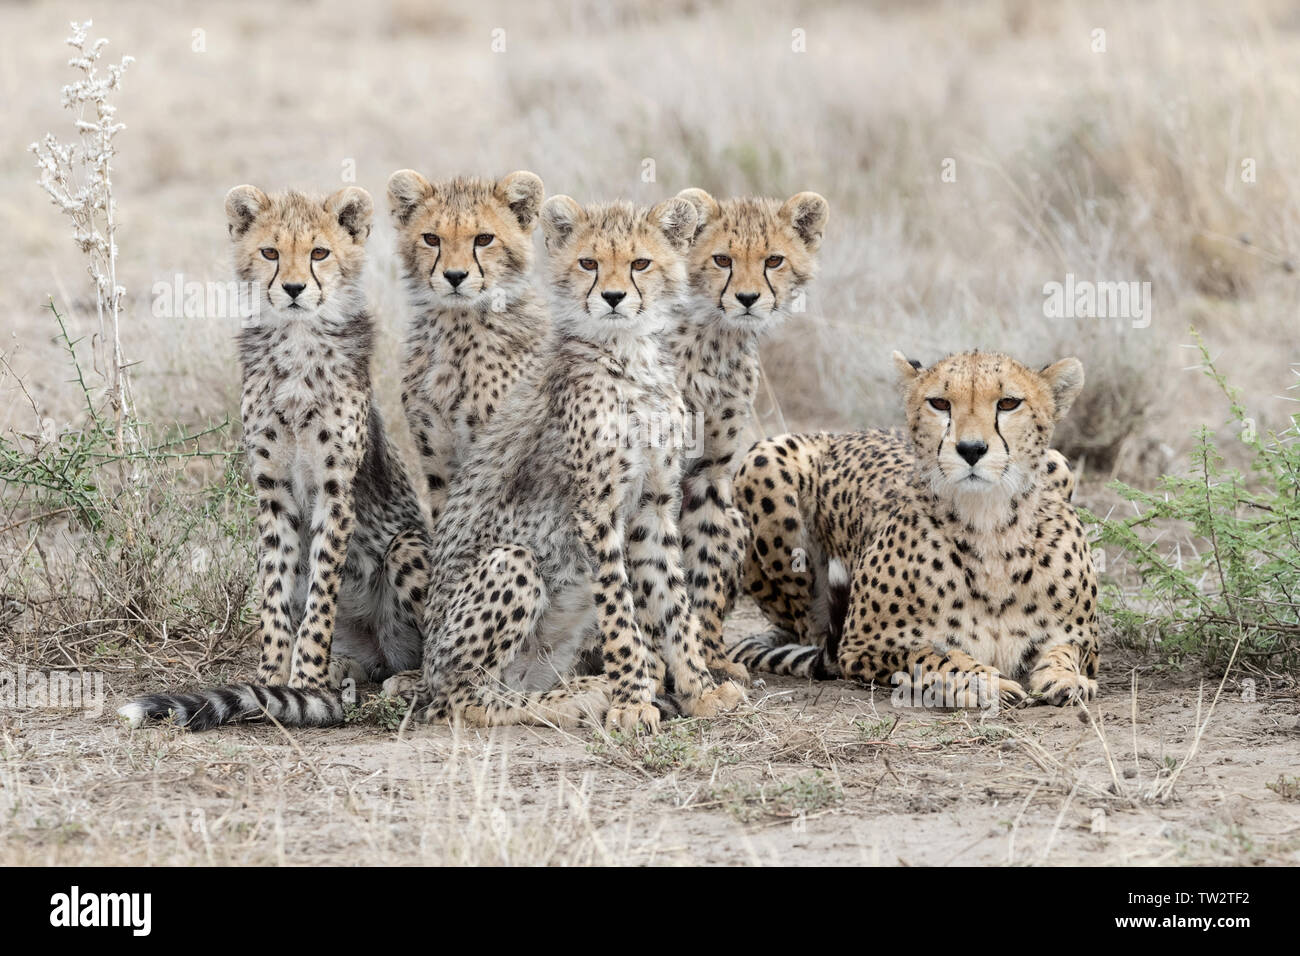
x,y
950,557
342,568
560,528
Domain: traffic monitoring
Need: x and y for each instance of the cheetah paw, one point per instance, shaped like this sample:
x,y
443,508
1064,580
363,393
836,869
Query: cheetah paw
x,y
402,684
727,696
1010,693
723,669
575,708
1059,687
342,668
634,718
981,691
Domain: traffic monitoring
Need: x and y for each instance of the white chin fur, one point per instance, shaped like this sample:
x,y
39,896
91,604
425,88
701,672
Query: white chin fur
x,y
984,506
423,295
753,324
133,713
708,310
338,307
610,328
985,509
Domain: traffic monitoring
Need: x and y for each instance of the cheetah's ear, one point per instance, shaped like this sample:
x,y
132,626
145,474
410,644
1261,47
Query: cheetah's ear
x,y
523,192
1065,379
676,219
907,369
243,204
406,190
353,208
807,214
560,215
706,208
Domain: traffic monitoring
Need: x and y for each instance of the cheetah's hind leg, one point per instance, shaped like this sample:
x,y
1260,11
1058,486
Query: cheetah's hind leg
x,y
492,617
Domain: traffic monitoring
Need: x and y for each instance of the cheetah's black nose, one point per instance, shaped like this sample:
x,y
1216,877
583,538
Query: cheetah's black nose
x,y
972,451
293,288
613,298
747,298
455,276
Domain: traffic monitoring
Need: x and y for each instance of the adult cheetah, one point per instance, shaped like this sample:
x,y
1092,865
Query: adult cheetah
x,y
950,559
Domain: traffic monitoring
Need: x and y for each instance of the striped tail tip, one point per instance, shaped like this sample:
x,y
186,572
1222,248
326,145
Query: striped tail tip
x,y
762,653
205,709
134,713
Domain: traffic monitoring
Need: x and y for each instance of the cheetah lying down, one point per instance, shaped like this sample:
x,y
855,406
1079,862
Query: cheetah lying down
x,y
951,559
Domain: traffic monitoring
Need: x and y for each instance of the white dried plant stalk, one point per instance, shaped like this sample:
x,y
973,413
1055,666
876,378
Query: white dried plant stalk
x,y
78,178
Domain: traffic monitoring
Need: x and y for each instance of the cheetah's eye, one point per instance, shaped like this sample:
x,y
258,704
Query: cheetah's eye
x,y
1009,404
430,239
940,404
588,264
640,265
484,239
269,253
318,254
723,262
774,261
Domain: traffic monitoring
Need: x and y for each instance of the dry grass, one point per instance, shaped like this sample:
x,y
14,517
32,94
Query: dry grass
x,y
816,774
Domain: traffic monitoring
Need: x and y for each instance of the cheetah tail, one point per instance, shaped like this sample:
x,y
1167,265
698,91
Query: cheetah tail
x,y
763,653
215,706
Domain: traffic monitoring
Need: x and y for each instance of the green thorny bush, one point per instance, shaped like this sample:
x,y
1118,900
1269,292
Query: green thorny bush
x,y
109,553
1231,591
118,540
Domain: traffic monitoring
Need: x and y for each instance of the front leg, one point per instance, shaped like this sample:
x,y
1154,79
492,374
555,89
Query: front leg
x,y
663,600
278,521
623,648
881,643
714,541
599,470
342,448
1064,668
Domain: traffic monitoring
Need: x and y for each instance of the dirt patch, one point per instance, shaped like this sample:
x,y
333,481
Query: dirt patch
x,y
827,773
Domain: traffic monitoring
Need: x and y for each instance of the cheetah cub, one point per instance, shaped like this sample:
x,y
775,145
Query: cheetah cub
x,y
342,544
748,265
952,561
561,527
466,250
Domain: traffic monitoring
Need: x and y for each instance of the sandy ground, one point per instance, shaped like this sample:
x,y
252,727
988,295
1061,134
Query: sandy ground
x,y
826,773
